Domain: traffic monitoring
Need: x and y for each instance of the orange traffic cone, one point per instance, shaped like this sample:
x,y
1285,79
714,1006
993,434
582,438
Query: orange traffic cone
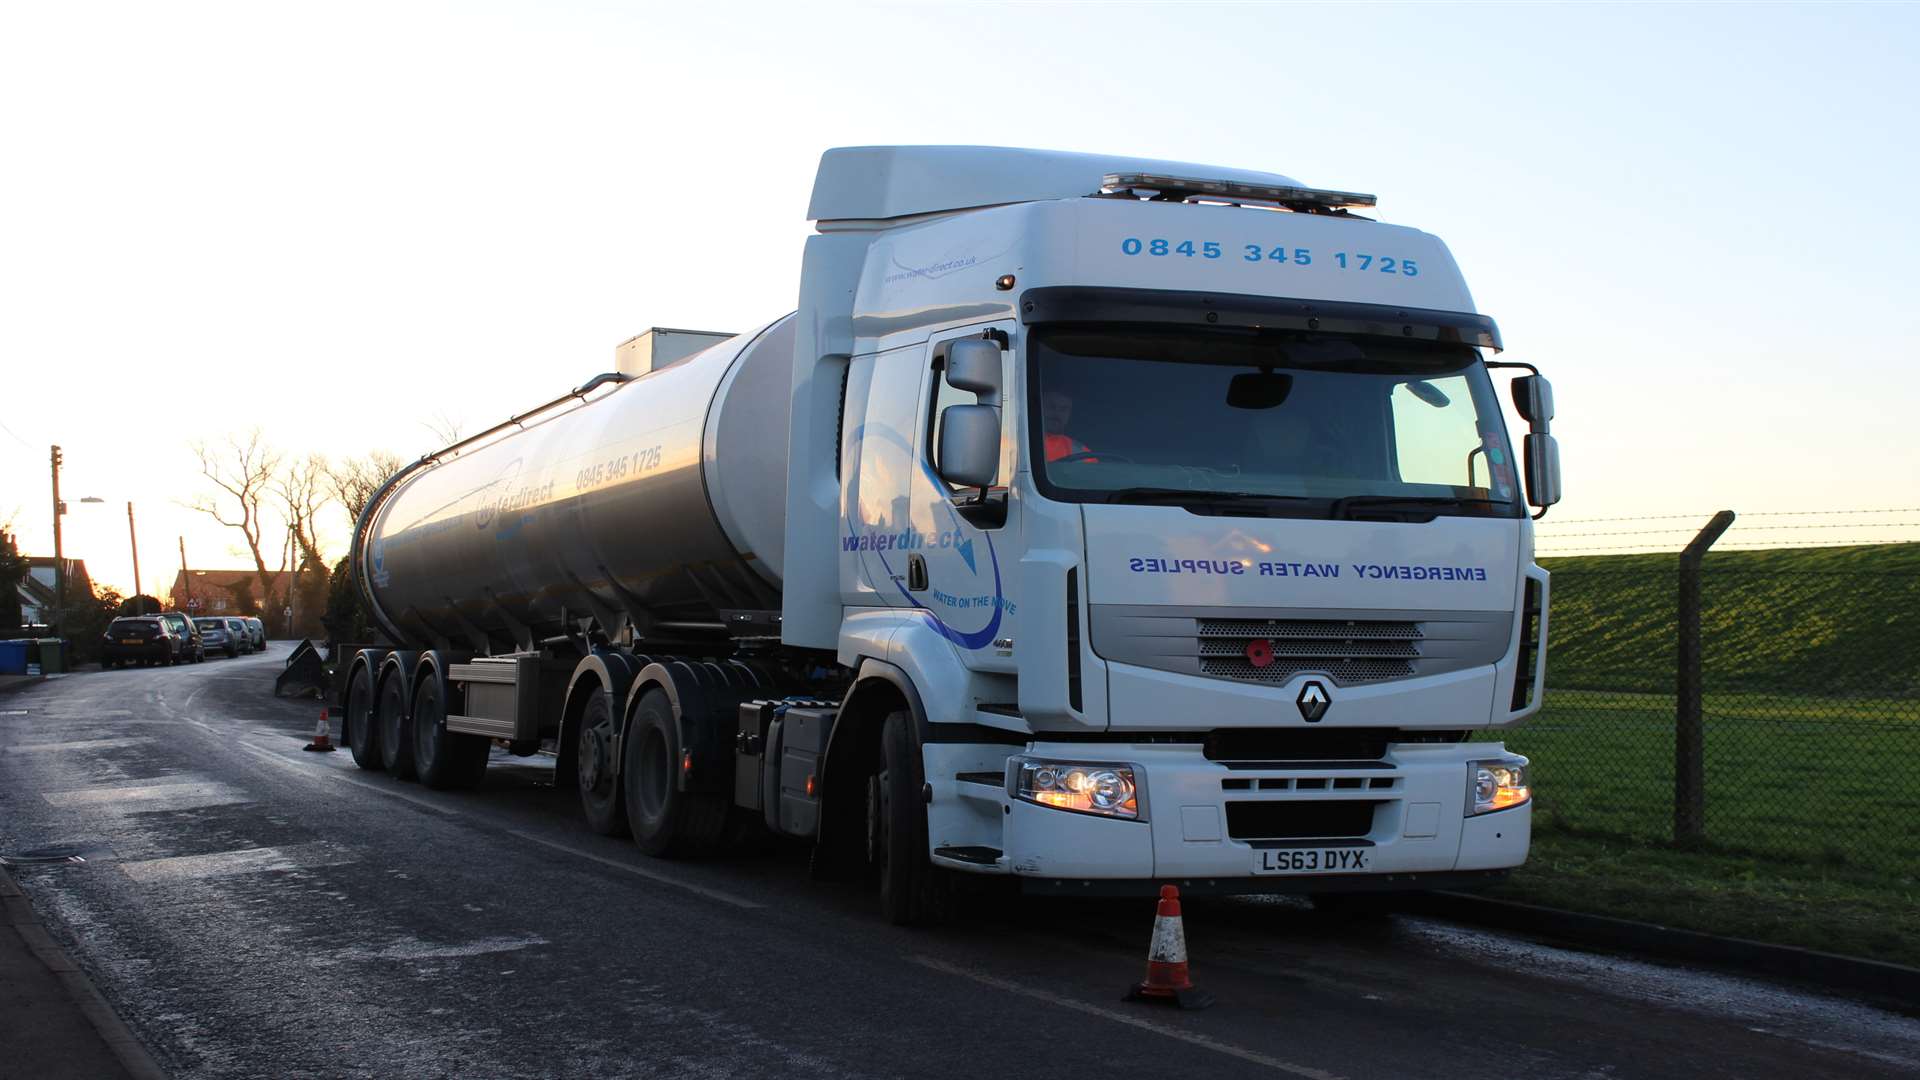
x,y
1167,978
322,738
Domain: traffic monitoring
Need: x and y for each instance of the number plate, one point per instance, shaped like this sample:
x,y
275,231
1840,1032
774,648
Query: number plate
x,y
1310,861
131,641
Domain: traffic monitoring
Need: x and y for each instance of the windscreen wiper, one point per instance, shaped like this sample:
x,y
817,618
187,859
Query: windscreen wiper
x,y
1198,495
1412,502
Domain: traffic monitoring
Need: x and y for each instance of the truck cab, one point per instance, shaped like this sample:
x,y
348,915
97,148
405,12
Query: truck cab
x,y
1177,507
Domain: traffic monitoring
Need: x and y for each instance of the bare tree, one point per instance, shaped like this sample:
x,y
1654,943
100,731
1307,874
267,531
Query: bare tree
x,y
444,428
352,482
305,488
244,471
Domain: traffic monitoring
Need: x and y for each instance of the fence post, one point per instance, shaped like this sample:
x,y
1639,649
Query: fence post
x,y
1689,728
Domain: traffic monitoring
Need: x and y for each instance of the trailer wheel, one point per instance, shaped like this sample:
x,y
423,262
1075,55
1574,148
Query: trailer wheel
x,y
665,820
363,735
601,799
446,760
396,731
913,892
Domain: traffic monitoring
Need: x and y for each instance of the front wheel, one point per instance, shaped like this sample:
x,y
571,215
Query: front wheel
x,y
913,892
664,819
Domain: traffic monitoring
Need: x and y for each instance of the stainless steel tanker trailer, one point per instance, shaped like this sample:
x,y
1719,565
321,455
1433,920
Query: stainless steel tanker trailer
x,y
1002,556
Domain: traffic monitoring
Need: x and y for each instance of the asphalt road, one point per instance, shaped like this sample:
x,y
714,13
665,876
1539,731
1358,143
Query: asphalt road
x,y
251,909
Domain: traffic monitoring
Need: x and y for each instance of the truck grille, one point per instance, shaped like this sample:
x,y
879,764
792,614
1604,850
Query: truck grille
x,y
1350,650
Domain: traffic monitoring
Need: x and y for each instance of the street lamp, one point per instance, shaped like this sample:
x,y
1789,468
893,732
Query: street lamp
x,y
133,540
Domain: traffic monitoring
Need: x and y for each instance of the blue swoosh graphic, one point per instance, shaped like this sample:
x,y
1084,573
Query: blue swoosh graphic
x,y
967,640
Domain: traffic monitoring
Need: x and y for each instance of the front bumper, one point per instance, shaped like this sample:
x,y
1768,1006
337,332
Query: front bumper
x,y
1414,826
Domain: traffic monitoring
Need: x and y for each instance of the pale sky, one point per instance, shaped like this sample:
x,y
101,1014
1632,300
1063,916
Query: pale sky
x,y
340,221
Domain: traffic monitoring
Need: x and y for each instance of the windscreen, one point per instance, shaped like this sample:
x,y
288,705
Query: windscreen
x,y
1286,422
209,624
134,627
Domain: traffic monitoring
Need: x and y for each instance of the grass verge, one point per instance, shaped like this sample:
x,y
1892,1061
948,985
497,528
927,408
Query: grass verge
x,y
1874,914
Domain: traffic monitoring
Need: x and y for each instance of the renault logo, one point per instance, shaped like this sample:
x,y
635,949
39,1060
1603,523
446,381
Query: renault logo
x,y
1313,701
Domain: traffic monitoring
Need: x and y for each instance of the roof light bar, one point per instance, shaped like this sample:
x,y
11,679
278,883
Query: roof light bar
x,y
1307,200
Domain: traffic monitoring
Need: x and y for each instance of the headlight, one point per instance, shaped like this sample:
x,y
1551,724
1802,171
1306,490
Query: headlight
x,y
1498,784
1088,787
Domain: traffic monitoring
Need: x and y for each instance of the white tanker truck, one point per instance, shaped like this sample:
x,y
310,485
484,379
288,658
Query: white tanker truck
x,y
1094,523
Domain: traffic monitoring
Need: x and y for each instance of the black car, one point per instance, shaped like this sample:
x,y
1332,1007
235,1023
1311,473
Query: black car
x,y
192,648
141,639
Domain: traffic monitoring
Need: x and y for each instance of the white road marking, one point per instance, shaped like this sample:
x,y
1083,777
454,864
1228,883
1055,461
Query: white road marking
x,y
698,890
1119,1017
415,949
330,772
136,798
244,861
78,745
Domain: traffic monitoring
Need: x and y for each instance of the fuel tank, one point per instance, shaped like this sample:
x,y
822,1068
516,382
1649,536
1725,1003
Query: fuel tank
x,y
658,502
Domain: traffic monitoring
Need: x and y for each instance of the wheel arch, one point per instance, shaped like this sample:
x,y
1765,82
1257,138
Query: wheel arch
x,y
602,672
879,689
400,664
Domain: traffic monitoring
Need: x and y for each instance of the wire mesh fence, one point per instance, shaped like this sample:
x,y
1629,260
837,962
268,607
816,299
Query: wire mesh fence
x,y
1808,698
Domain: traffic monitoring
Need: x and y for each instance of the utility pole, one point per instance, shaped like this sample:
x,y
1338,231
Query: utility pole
x,y
186,580
293,541
134,540
59,553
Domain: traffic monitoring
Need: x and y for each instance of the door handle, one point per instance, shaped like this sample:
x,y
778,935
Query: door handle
x,y
916,573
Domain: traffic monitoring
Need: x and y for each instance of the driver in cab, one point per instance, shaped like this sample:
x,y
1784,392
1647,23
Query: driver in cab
x,y
1056,411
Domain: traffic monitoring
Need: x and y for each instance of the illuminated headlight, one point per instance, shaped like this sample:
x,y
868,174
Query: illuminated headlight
x,y
1087,787
1499,784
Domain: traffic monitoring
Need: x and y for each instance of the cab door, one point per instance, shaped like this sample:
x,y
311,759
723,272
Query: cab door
x,y
962,571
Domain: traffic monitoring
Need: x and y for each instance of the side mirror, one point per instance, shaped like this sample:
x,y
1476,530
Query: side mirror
x,y
973,365
1533,400
970,443
1543,469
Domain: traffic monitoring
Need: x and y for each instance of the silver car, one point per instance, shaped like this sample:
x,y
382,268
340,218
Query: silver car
x,y
216,637
237,630
259,631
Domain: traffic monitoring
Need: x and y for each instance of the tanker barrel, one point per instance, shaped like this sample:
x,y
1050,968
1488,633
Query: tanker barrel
x,y
658,503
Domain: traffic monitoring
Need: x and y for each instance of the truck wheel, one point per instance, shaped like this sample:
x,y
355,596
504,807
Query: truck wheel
x,y
396,731
913,892
665,820
446,760
363,735
601,799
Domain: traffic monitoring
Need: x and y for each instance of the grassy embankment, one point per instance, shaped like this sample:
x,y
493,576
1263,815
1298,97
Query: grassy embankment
x,y
1812,722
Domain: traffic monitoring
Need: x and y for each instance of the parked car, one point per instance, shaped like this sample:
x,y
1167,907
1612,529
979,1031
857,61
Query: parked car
x,y
237,630
259,632
217,637
141,639
192,648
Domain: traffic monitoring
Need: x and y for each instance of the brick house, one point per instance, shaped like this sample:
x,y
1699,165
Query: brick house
x,y
219,592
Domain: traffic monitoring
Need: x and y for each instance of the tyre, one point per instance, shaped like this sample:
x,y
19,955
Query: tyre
x,y
109,665
445,760
665,820
602,801
363,735
396,729
913,892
